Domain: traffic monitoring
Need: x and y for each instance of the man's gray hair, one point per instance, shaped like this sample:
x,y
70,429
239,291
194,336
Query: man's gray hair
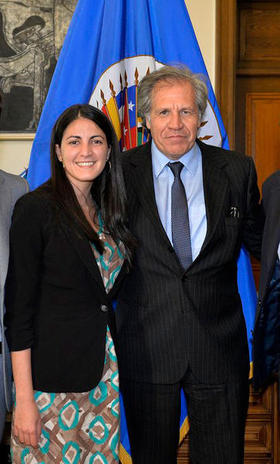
x,y
170,74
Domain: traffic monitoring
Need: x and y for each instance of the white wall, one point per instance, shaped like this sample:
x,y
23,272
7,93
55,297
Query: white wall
x,y
14,154
203,17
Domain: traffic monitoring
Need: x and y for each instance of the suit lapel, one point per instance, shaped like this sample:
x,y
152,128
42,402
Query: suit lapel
x,y
215,183
216,188
83,248
271,239
143,184
124,270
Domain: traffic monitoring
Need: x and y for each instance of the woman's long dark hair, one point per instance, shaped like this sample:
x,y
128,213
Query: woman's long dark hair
x,y
108,190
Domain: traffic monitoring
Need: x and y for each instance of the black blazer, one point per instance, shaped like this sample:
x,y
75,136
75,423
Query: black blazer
x,y
55,298
167,318
267,324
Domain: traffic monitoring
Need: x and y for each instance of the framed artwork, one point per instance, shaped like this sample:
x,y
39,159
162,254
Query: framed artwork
x,y
31,37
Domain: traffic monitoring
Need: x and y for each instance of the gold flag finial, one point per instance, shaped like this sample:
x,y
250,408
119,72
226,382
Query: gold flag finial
x,y
113,93
136,75
103,97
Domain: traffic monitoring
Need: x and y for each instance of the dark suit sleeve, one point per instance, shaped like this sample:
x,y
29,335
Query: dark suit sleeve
x,y
254,217
25,267
270,186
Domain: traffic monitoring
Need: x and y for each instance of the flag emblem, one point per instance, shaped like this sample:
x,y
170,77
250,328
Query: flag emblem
x,y
116,95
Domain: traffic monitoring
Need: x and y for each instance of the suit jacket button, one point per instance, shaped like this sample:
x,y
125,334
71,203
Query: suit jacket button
x,y
104,308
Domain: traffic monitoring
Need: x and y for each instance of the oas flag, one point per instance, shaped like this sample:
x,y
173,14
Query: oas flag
x,y
109,47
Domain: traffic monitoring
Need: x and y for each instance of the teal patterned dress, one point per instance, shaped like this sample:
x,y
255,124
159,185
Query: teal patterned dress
x,y
81,427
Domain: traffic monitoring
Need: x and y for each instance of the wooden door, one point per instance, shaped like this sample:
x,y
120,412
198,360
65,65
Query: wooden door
x,y
257,128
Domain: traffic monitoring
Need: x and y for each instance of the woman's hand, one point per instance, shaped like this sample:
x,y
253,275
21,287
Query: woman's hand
x,y
27,423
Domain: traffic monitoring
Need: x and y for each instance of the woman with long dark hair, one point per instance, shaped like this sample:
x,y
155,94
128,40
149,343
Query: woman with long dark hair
x,y
69,249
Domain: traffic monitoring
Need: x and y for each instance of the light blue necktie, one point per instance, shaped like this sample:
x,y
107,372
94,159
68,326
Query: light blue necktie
x,y
180,225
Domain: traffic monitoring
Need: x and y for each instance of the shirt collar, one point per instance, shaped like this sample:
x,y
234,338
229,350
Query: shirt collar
x,y
189,159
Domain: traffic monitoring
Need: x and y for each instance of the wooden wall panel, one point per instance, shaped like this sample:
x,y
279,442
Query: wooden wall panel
x,y
259,32
261,404
258,438
263,131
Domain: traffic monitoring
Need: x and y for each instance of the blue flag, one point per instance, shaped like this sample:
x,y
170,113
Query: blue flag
x,y
109,47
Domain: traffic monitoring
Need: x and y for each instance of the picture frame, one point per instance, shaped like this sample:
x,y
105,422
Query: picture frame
x,y
31,37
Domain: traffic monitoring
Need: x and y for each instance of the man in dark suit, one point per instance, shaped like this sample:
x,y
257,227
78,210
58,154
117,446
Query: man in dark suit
x,y
267,325
179,316
11,188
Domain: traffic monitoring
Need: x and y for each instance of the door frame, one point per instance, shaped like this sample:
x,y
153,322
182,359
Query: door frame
x,y
225,80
